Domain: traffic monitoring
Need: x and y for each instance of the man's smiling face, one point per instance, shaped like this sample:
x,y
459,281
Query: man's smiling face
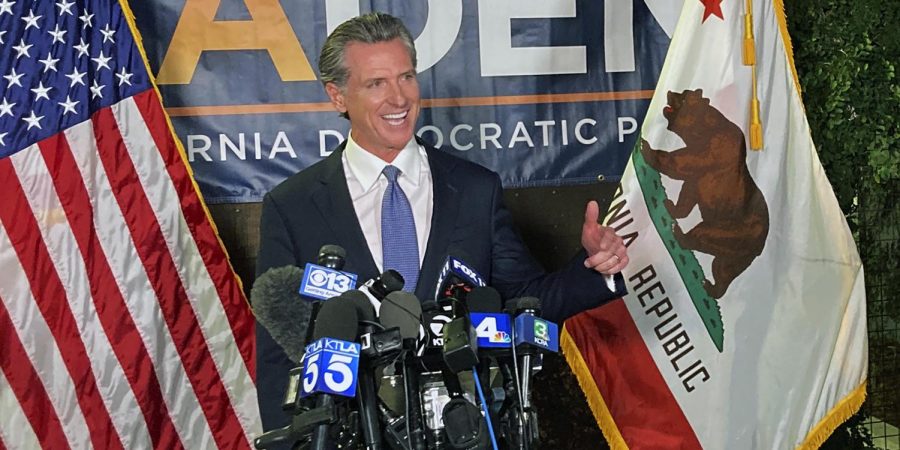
x,y
381,96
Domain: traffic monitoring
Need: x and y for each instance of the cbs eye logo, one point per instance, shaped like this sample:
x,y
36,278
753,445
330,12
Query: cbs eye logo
x,y
324,283
333,281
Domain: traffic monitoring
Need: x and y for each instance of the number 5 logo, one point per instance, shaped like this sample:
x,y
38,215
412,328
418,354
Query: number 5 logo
x,y
311,373
339,369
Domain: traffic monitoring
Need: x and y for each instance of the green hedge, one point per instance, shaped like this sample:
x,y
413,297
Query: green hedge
x,y
846,53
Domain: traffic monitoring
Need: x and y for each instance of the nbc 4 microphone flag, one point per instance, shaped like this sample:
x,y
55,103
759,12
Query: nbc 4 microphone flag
x,y
122,323
745,322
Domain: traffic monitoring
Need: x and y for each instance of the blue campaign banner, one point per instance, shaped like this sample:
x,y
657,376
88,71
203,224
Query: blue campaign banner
x,y
545,92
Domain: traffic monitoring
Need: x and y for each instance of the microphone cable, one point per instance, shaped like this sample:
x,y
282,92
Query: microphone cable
x,y
523,418
406,404
484,408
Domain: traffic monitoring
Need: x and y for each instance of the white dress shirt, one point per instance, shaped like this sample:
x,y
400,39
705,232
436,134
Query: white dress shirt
x,y
367,185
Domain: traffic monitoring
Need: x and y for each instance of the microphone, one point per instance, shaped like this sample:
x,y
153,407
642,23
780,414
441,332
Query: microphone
x,y
492,327
402,310
367,399
460,344
335,374
279,307
337,320
332,256
325,279
531,330
379,287
434,317
456,280
532,335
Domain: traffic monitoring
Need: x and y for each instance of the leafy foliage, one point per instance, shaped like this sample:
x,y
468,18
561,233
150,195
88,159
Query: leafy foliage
x,y
846,53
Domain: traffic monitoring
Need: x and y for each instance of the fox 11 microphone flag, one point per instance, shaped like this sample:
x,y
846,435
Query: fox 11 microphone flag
x,y
745,322
122,323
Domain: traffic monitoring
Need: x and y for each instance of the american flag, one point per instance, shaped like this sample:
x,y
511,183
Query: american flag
x,y
122,324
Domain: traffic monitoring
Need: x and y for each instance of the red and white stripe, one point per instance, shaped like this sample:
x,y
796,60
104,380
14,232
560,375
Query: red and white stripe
x,y
123,325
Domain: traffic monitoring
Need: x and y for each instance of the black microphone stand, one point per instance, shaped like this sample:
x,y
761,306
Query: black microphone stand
x,y
416,433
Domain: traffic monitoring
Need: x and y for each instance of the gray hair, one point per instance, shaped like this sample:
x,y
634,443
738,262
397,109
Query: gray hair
x,y
368,28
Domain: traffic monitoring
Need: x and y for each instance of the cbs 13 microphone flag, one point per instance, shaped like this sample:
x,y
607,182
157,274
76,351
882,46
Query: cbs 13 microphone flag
x,y
122,323
745,322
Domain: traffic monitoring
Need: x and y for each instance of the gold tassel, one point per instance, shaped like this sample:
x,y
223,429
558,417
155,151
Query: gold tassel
x,y
749,57
756,134
749,53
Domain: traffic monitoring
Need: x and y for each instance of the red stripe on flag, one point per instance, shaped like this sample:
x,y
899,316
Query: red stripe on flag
x,y
163,274
27,387
627,377
236,307
47,289
110,305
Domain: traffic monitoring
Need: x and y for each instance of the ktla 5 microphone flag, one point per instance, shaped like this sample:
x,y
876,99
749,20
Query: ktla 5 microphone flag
x,y
745,322
122,323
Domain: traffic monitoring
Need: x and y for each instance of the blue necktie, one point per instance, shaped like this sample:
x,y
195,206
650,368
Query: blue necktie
x,y
399,245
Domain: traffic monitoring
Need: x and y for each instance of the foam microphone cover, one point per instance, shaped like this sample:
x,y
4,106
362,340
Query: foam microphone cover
x,y
337,319
484,300
384,284
466,428
402,310
277,304
364,308
332,256
520,304
392,280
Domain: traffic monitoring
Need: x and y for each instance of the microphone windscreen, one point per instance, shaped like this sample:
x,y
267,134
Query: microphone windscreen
x,y
364,308
430,305
402,310
519,304
484,300
392,280
332,256
337,319
277,304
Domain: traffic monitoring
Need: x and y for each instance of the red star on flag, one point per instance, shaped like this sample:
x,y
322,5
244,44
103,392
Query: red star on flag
x,y
712,7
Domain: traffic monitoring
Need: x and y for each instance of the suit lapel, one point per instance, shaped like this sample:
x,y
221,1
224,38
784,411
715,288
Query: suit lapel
x,y
336,208
443,220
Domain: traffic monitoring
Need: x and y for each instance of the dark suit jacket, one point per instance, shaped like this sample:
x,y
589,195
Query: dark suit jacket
x,y
469,221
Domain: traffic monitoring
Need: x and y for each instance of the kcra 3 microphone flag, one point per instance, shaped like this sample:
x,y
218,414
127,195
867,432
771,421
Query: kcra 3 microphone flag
x,y
745,322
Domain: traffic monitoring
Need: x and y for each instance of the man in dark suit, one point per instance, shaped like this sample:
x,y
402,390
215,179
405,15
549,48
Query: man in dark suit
x,y
426,203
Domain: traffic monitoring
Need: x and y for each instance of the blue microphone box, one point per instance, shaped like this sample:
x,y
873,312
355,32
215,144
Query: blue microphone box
x,y
330,366
493,330
538,332
324,283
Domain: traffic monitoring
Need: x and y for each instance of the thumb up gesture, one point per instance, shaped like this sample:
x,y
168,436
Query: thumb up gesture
x,y
606,250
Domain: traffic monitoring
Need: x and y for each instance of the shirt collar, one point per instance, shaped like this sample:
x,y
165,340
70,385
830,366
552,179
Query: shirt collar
x,y
367,167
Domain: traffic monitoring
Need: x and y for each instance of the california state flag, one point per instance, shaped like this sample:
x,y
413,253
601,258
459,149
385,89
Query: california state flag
x,y
745,322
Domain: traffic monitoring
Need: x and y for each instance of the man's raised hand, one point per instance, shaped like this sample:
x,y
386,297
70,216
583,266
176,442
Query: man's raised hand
x,y
606,250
